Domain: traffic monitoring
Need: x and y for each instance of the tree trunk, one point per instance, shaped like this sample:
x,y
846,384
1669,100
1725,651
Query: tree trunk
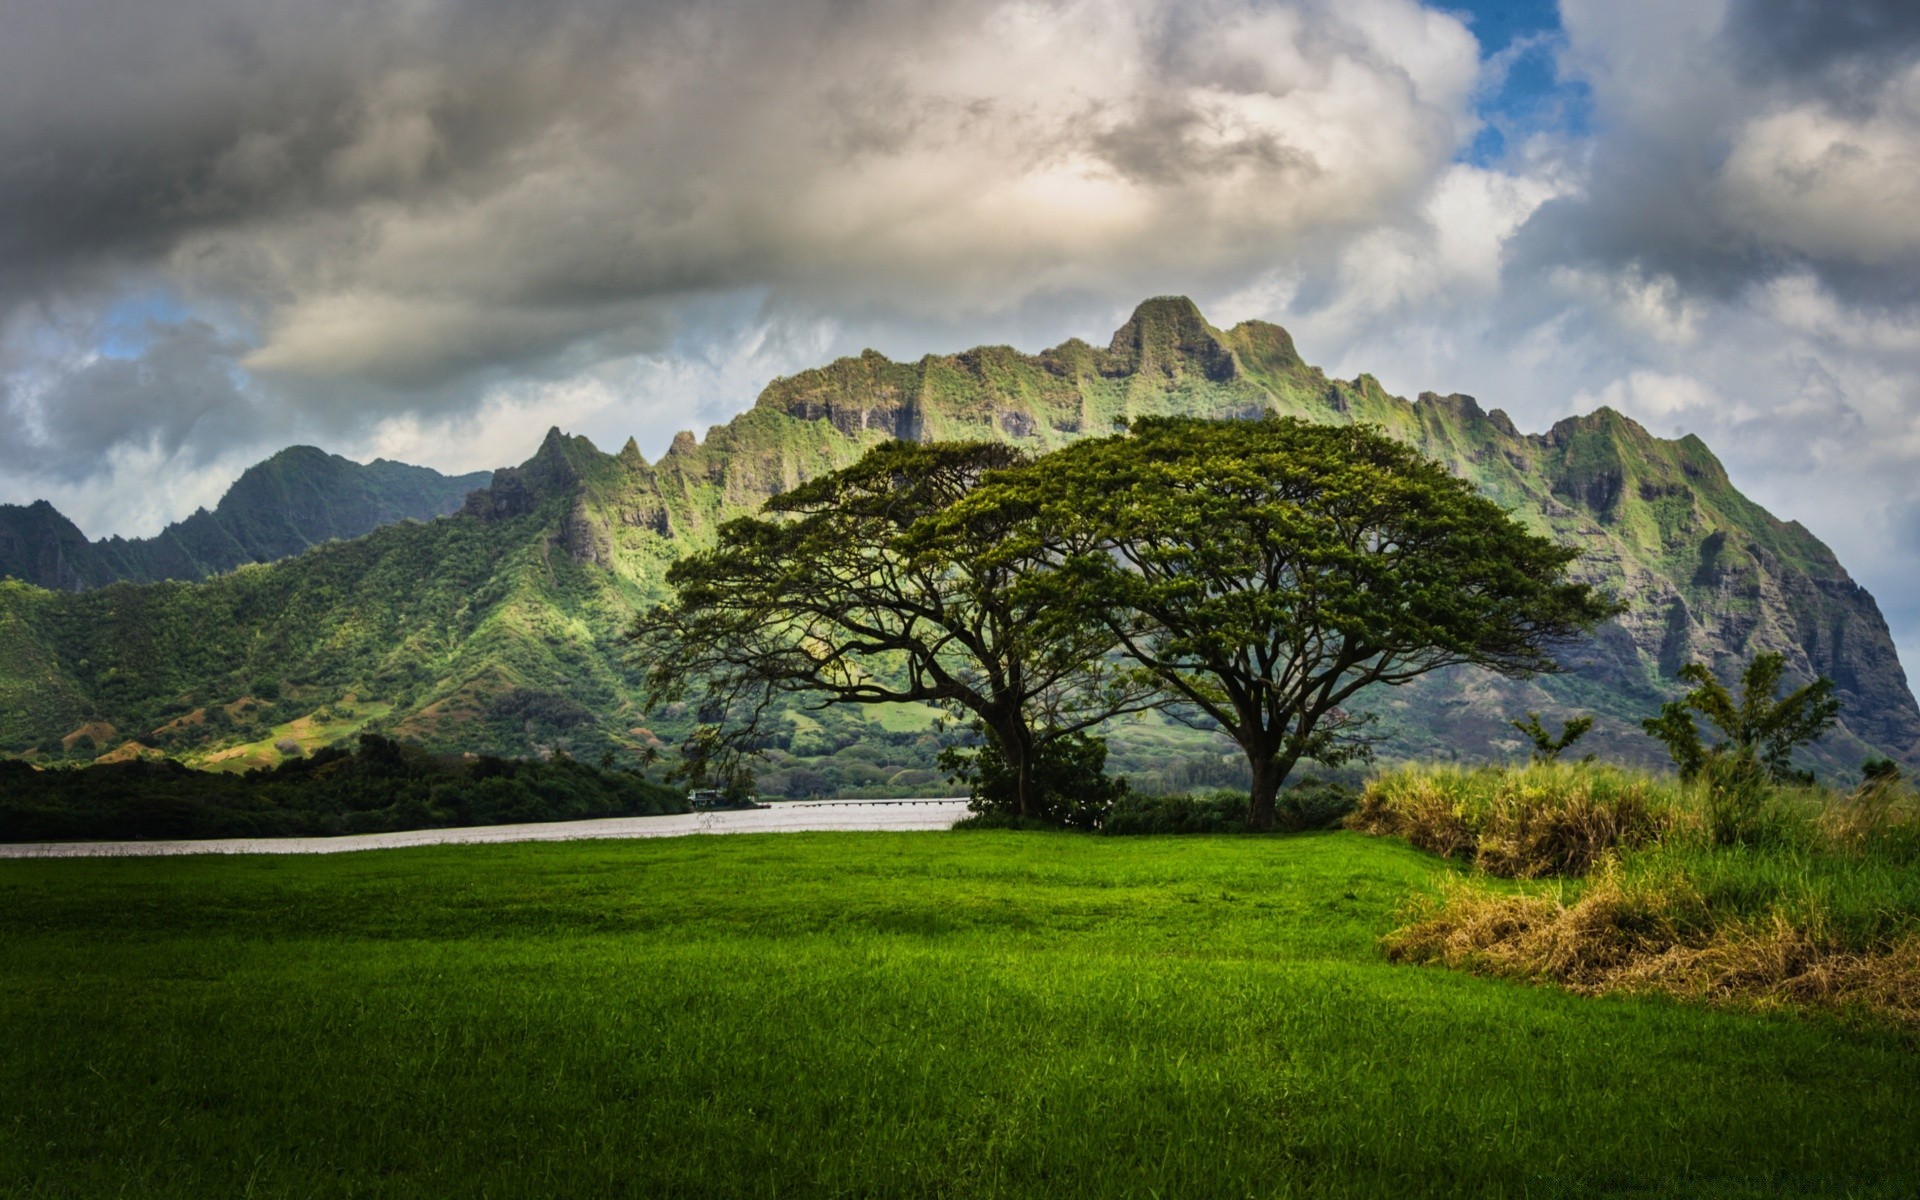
x,y
1016,749
1268,775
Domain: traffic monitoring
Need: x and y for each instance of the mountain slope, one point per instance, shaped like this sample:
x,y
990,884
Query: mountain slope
x,y
498,628
296,499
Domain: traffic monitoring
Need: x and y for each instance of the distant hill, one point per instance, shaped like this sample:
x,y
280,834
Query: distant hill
x,y
499,628
297,499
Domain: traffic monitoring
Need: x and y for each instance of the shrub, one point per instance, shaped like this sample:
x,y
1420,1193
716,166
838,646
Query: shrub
x,y
1310,805
381,785
1760,733
1069,774
1222,811
1313,804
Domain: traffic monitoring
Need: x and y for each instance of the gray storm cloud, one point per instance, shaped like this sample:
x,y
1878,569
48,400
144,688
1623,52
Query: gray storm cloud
x,y
403,195
1743,142
177,399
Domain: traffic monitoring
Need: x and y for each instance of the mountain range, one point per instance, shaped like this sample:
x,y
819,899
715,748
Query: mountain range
x,y
498,627
295,500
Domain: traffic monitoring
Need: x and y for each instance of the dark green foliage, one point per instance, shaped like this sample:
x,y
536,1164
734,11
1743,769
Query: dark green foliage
x,y
383,785
1266,571
1759,732
1547,747
1309,805
1880,771
1068,786
869,585
1223,811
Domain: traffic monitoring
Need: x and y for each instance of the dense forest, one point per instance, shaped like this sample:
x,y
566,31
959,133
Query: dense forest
x,y
381,785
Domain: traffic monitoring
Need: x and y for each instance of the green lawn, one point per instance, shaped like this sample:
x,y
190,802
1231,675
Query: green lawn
x,y
868,1015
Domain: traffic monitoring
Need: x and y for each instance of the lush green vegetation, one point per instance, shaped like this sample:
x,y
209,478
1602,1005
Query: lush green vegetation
x,y
957,1015
1723,887
382,785
428,631
865,586
1266,571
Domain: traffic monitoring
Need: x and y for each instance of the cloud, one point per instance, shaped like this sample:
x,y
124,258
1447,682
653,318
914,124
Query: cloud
x,y
180,397
412,192
1740,142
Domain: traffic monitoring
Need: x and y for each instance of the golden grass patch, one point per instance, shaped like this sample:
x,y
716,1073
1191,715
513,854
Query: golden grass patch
x,y
1657,938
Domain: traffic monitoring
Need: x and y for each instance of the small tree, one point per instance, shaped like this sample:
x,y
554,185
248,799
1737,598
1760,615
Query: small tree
x,y
1266,571
1759,733
1546,747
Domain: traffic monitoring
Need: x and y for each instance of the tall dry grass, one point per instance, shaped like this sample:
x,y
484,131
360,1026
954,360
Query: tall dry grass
x,y
1758,896
1521,822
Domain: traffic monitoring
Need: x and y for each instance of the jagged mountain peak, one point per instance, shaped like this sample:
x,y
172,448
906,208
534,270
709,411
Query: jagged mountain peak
x,y
1167,335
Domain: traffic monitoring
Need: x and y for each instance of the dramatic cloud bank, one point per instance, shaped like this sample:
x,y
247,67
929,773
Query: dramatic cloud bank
x,y
430,230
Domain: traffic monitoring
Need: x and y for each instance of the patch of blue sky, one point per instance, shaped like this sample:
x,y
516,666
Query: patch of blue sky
x,y
131,323
1523,92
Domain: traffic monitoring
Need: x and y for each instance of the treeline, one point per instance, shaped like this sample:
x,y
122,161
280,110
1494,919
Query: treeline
x,y
381,786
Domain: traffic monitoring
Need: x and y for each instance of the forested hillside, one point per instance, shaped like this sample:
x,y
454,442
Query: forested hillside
x,y
298,498
498,628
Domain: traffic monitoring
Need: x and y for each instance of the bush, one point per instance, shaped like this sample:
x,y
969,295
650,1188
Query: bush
x,y
1073,788
1309,805
1004,820
1312,804
1222,811
383,785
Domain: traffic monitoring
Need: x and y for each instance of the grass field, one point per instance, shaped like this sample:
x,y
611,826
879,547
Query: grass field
x,y
968,1014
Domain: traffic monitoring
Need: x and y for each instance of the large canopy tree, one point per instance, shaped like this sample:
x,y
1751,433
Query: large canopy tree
x,y
1267,570
844,593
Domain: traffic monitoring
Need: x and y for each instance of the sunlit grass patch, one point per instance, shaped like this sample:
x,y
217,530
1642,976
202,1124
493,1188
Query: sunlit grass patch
x,y
323,727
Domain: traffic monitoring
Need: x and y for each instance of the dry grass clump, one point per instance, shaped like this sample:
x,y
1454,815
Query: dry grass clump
x,y
1523,822
1726,889
1626,936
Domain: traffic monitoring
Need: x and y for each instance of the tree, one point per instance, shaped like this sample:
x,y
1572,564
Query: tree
x,y
1548,748
1759,732
845,593
1266,571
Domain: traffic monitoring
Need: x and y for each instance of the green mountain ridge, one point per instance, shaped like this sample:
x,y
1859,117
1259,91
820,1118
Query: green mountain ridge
x,y
295,500
498,628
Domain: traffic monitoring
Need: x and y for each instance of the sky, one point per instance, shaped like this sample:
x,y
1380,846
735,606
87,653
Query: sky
x,y
430,229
